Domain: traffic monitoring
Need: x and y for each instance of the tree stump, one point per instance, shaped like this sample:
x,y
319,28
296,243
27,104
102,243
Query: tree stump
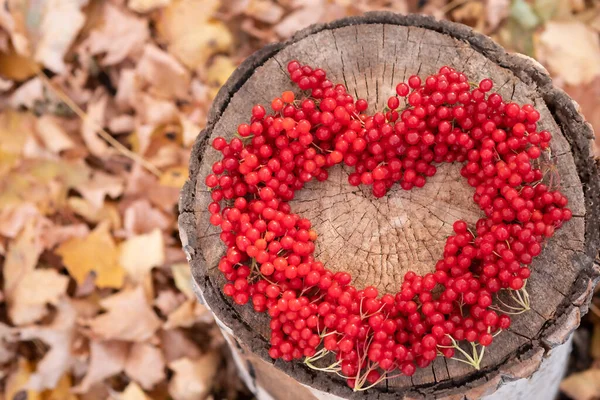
x,y
377,240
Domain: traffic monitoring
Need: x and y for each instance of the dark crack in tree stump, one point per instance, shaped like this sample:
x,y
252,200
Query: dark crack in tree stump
x,y
377,240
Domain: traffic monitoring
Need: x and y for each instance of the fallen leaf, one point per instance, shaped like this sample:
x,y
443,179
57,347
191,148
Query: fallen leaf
x,y
62,391
99,186
52,134
174,177
121,35
91,125
309,13
8,340
14,217
144,6
154,112
27,301
139,254
15,128
53,235
582,385
183,279
140,217
587,97
106,359
546,8
145,365
218,72
165,75
191,130
193,379
265,11
122,124
175,345
129,317
127,87
108,212
22,257
133,392
17,67
98,253
58,336
167,301
56,31
143,184
522,12
28,94
16,384
191,35
571,50
187,314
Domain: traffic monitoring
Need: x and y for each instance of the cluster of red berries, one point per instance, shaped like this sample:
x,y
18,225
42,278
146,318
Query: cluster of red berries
x,y
314,311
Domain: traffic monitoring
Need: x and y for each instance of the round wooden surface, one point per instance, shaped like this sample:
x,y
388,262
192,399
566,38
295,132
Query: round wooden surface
x,y
378,240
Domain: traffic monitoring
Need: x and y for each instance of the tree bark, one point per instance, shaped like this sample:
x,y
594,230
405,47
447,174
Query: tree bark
x,y
377,240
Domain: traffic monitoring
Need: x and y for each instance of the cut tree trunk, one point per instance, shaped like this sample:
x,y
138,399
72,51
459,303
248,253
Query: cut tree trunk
x,y
377,240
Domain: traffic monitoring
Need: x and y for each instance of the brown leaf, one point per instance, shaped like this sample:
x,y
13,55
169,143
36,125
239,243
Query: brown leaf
x,y
571,50
99,186
193,379
17,382
165,75
27,301
587,97
122,35
265,11
17,67
59,336
94,120
141,217
175,345
187,314
582,385
167,301
97,252
55,138
183,279
309,13
145,364
54,235
22,257
140,183
191,36
14,217
108,212
106,359
139,254
129,317
28,94
144,6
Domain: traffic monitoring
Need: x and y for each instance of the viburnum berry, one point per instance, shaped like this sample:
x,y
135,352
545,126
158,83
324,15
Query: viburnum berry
x,y
270,257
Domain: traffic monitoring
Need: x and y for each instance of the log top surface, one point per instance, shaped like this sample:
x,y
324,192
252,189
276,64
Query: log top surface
x,y
378,240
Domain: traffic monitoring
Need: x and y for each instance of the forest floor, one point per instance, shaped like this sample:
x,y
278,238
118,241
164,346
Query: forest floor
x,y
100,103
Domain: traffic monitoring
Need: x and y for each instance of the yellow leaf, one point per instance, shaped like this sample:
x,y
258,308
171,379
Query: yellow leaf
x,y
193,379
191,36
62,391
218,72
17,67
22,257
108,212
15,128
183,279
17,382
143,6
133,392
98,253
174,177
139,254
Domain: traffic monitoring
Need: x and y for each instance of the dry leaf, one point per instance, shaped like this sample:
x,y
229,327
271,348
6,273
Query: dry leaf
x,y
16,67
265,11
99,186
120,36
582,385
140,217
59,336
143,184
108,212
14,217
139,254
27,301
571,50
310,13
143,6
145,365
15,129
183,279
91,125
54,235
8,339
168,300
122,124
98,253
191,36
165,75
17,383
587,97
175,345
129,317
187,314
106,359
28,94
62,391
218,72
127,87
22,257
59,25
52,134
133,392
193,379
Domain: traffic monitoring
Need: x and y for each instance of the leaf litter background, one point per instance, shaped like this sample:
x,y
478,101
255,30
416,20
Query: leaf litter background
x,y
100,103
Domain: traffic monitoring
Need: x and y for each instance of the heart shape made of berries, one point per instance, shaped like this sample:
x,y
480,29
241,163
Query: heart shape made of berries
x,y
319,315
